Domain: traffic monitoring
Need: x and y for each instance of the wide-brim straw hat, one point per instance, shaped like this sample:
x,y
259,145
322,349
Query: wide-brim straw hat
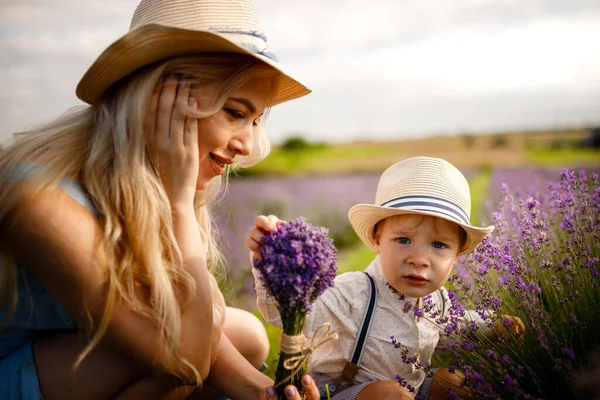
x,y
419,185
162,29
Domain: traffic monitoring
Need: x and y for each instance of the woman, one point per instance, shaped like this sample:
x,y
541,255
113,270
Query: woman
x,y
105,223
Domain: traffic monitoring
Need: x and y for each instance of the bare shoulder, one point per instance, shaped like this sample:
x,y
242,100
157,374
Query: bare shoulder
x,y
58,239
39,212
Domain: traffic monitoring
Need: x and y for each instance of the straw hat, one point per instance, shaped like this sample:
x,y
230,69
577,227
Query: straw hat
x,y
419,185
161,29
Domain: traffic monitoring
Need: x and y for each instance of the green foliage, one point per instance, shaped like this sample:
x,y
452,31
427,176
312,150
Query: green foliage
x,y
479,192
529,143
274,334
564,157
346,238
356,258
295,143
274,207
468,140
499,141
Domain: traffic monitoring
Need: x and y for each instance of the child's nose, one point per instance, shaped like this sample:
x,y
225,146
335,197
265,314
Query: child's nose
x,y
418,257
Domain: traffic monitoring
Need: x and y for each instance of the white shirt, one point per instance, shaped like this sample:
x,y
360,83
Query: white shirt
x,y
344,305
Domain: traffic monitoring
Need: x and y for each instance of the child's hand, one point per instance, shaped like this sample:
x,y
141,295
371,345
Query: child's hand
x,y
515,325
263,224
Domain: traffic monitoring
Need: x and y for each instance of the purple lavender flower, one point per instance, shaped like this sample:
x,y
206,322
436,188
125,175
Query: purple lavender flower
x,y
541,265
297,263
569,353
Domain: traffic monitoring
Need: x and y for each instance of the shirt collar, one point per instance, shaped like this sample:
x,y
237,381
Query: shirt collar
x,y
383,290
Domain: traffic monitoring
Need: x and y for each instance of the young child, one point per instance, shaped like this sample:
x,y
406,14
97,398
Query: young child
x,y
419,226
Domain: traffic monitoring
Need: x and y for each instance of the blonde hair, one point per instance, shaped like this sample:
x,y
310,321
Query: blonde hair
x,y
103,147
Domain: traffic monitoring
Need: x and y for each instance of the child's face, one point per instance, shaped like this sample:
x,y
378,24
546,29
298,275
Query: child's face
x,y
417,252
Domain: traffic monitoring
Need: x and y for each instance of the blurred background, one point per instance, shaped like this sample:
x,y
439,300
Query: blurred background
x,y
508,91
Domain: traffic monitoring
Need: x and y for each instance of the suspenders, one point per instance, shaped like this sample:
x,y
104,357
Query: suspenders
x,y
351,367
359,345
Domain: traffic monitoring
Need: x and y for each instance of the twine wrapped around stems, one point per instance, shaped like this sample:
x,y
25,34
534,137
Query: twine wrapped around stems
x,y
297,344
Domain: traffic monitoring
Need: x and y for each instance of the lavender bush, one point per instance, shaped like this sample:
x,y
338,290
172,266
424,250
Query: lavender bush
x,y
542,265
297,263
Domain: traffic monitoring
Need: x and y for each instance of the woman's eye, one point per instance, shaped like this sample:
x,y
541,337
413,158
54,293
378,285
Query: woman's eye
x,y
234,113
403,240
438,245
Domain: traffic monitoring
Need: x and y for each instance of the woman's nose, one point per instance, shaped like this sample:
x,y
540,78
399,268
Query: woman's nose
x,y
241,144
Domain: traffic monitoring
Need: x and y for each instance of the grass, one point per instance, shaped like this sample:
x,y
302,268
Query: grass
x,y
516,149
479,189
564,157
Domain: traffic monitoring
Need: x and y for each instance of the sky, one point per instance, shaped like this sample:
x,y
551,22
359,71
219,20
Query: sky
x,y
379,69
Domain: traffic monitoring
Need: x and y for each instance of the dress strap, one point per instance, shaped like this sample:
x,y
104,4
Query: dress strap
x,y
26,170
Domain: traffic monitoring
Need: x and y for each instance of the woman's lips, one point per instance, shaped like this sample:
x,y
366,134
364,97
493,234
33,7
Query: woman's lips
x,y
217,165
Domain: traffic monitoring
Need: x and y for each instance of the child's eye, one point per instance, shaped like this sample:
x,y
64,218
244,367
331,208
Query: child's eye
x,y
438,245
403,240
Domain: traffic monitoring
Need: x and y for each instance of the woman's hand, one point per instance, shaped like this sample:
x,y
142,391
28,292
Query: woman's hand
x,y
173,139
263,224
310,390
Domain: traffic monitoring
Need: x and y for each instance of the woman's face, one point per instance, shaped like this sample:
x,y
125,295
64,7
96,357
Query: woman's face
x,y
229,132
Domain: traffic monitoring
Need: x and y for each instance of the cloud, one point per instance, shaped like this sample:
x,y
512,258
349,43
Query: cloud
x,y
382,67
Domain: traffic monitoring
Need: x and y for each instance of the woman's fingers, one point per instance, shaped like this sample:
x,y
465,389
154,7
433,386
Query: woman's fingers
x,y
310,390
176,141
164,112
190,138
178,128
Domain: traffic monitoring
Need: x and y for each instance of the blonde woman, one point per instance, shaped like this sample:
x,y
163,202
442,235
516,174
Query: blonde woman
x,y
107,249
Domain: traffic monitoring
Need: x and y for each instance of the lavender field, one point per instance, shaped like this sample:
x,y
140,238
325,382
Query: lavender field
x,y
523,182
323,200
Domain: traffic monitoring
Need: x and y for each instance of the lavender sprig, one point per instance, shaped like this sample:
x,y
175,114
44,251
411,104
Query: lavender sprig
x,y
298,262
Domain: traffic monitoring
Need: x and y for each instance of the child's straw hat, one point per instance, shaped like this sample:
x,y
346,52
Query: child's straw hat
x,y
161,29
419,185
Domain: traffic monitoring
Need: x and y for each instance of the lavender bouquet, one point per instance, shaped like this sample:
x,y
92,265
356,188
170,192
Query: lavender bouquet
x,y
297,263
542,265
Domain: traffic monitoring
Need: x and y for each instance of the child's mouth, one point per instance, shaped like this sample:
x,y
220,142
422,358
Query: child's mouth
x,y
416,280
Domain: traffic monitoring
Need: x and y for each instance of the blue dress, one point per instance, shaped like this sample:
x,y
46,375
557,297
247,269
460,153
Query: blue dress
x,y
37,312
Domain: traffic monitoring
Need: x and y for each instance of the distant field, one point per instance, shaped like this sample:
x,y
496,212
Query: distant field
x,y
512,149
